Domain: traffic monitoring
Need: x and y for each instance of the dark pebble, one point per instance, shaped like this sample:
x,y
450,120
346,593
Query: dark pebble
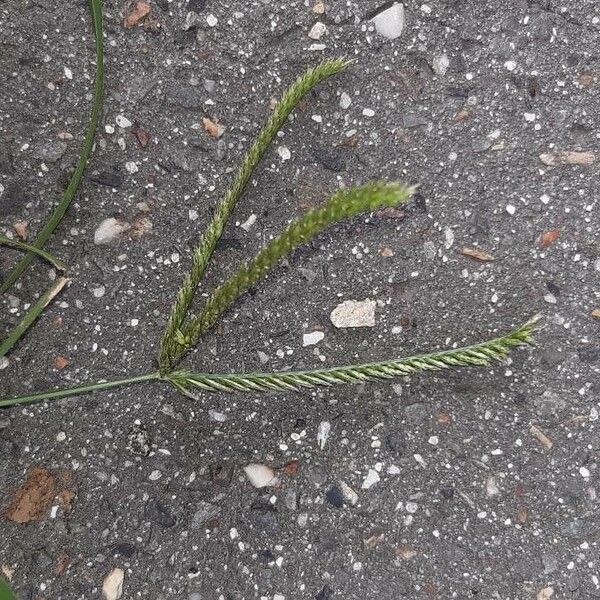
x,y
419,202
589,354
553,288
447,492
332,160
197,5
325,594
396,442
335,497
108,178
125,549
159,513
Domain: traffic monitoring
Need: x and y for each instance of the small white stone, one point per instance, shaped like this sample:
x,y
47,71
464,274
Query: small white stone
x,y
323,433
584,472
99,291
112,587
131,167
371,479
123,122
61,436
389,23
412,507
155,475
349,494
249,222
529,117
550,298
284,152
510,209
260,475
310,339
109,230
109,128
317,31
545,199
217,416
345,100
134,322
440,64
68,73
393,470
368,112
354,313
211,20
433,440
511,65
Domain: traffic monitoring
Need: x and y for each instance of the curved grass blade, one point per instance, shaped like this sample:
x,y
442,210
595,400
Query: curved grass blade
x,y
65,201
477,355
32,314
55,262
342,205
203,252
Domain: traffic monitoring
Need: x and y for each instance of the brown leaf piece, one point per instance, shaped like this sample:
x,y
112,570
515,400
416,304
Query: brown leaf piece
x,y
213,128
291,467
65,501
32,500
549,237
596,313
568,157
406,552
138,12
141,135
477,254
541,437
61,362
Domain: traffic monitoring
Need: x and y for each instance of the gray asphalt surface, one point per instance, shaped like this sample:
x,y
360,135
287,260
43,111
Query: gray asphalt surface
x,y
453,494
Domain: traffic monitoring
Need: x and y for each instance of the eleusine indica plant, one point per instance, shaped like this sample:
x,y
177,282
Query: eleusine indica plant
x,y
185,328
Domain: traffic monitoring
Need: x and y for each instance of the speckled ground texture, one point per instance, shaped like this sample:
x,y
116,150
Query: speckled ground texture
x,y
469,502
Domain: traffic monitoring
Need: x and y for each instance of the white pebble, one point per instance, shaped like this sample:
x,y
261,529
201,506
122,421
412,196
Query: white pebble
x,y
211,20
368,112
371,479
345,100
260,475
284,152
123,122
317,31
510,209
310,339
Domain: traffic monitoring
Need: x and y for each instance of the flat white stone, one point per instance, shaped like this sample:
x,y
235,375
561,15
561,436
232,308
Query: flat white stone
x,y
112,588
370,480
109,230
390,22
310,339
354,313
260,475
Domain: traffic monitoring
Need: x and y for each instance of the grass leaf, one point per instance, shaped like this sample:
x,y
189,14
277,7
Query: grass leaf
x,y
65,201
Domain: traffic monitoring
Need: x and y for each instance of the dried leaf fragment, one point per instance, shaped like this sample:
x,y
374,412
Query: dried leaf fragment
x,y
545,593
141,135
568,157
548,237
541,437
139,12
60,362
477,254
213,128
32,500
20,228
406,552
596,313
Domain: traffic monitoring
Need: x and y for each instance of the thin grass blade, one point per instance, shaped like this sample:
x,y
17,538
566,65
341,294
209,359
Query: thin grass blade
x,y
65,201
55,262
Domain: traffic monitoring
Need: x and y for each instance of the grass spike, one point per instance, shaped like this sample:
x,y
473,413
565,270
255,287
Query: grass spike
x,y
342,205
203,252
477,355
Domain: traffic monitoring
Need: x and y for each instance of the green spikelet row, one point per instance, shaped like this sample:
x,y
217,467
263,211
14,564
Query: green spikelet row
x,y
169,346
477,355
342,205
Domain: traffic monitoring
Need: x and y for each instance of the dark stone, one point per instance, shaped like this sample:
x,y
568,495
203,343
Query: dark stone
x,y
410,121
553,288
125,549
457,92
447,492
14,198
108,178
419,202
42,560
330,159
197,5
159,513
325,594
396,442
589,354
335,497
184,96
221,474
